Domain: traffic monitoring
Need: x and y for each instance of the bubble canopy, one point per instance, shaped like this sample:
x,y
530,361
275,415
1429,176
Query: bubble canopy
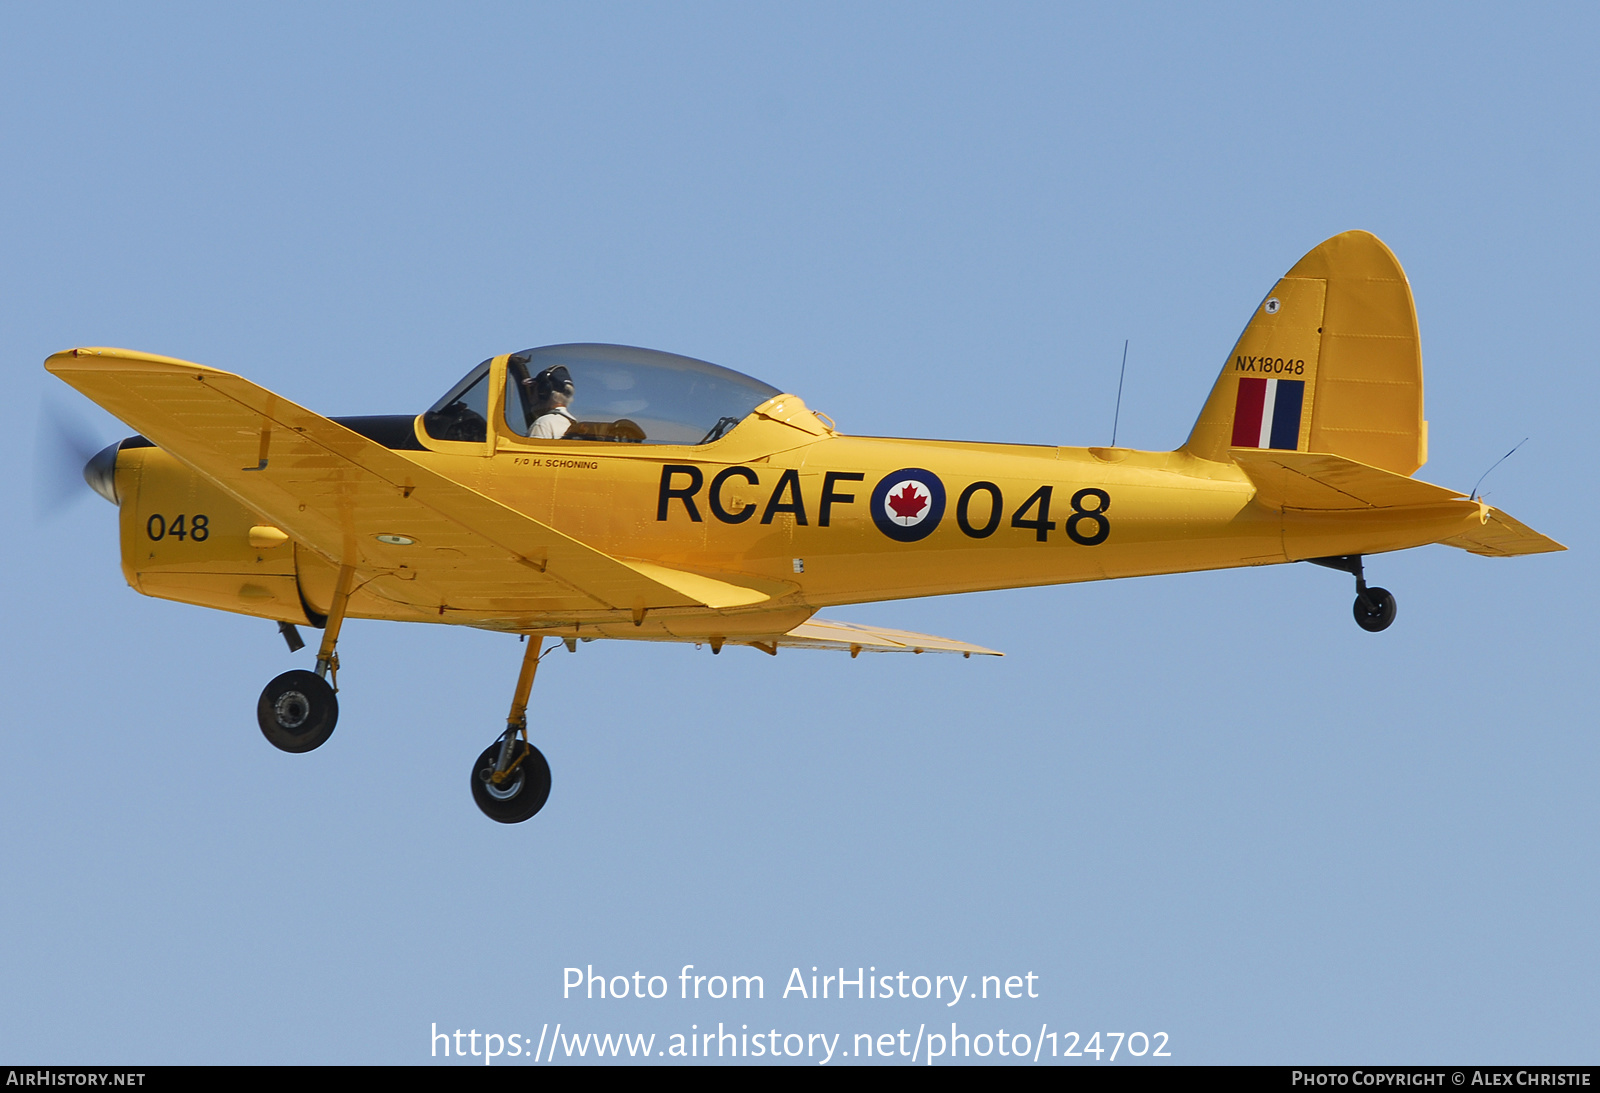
x,y
620,393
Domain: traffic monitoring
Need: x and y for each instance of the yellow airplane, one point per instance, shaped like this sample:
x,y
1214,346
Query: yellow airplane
x,y
600,491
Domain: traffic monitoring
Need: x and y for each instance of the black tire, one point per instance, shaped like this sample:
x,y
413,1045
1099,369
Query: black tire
x,y
297,711
519,799
1374,611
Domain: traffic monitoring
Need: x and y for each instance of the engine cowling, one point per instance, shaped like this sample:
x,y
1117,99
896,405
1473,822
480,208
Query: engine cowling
x,y
184,539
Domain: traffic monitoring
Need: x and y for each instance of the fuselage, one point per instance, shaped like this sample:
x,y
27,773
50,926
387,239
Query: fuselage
x,y
778,504
786,506
1010,515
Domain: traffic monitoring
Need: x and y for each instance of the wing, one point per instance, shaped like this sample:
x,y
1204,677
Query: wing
x,y
827,634
335,491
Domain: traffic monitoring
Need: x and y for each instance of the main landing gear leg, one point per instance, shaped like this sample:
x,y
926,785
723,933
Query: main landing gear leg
x,y
298,710
511,780
1374,607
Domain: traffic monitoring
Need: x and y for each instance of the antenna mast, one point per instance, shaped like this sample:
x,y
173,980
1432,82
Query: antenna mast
x,y
1473,496
1118,416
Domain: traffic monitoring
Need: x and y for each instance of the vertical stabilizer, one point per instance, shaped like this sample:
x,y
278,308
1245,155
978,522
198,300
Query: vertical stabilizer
x,y
1329,362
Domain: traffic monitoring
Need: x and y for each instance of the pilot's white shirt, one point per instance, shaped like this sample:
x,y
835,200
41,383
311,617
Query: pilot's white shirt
x,y
552,424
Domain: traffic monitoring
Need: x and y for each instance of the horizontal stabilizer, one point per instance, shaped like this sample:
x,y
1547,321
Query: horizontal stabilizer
x,y
1318,482
1503,537
828,634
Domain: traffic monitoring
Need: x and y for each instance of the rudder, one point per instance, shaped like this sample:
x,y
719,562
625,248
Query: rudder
x,y
1330,362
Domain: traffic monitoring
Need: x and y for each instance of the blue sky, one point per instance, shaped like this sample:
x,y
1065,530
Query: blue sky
x,y
1206,805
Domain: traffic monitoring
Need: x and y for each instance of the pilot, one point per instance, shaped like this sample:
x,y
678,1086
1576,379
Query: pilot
x,y
552,394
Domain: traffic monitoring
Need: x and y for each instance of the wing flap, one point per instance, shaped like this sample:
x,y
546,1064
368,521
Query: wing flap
x,y
829,634
703,589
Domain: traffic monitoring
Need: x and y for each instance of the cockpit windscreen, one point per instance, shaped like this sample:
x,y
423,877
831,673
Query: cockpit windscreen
x,y
620,393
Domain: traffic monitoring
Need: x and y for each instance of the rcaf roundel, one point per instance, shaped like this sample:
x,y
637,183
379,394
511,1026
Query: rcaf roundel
x,y
908,504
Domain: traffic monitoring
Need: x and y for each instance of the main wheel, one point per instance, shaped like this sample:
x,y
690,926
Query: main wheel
x,y
1374,611
297,711
519,797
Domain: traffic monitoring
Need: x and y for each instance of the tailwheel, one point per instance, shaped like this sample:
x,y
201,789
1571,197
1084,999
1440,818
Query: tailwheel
x,y
1374,609
297,711
510,780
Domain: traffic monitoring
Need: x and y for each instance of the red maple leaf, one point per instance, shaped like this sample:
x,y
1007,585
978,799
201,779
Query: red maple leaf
x,y
907,503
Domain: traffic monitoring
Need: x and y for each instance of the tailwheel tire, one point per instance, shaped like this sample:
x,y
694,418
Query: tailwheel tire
x,y
297,711
1374,609
518,798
